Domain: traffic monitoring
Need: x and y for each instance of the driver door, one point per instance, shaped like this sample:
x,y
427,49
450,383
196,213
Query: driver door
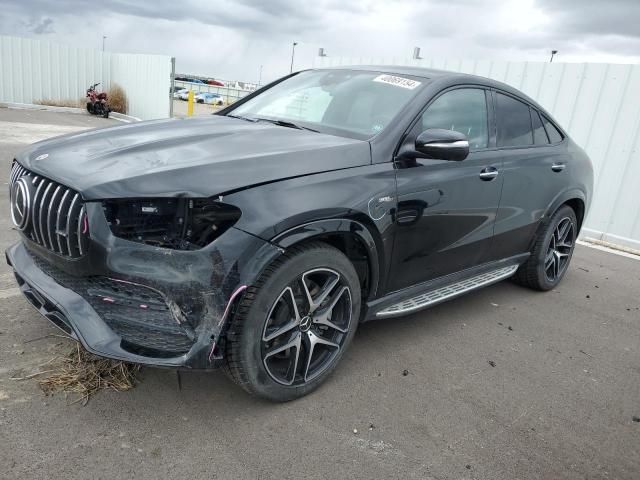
x,y
447,209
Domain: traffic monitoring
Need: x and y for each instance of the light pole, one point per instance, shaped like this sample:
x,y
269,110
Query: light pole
x,y
293,52
553,52
104,37
260,75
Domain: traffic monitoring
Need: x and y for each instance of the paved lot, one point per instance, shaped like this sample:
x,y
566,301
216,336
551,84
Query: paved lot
x,y
558,403
180,108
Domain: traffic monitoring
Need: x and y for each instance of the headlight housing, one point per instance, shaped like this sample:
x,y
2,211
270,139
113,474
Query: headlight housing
x,y
176,223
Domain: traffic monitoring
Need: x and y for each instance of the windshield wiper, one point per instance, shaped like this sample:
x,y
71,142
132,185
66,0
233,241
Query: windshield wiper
x,y
284,123
246,119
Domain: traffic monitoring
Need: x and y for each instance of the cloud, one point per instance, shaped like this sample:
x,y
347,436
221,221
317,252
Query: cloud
x,y
41,27
232,38
594,17
252,15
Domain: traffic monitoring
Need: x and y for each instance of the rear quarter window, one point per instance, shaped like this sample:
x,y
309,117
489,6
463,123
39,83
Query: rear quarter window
x,y
539,133
554,134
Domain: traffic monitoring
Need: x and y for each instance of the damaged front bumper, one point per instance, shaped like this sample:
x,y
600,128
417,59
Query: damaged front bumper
x,y
143,304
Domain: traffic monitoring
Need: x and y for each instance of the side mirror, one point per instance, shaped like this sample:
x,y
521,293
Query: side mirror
x,y
441,144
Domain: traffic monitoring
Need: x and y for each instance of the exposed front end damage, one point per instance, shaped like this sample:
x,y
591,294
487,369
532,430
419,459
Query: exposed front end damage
x,y
126,242
138,302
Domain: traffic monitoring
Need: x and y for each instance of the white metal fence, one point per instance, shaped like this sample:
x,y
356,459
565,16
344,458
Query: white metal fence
x,y
598,104
35,70
229,94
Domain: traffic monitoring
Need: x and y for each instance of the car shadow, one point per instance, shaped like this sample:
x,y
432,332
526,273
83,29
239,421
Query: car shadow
x,y
374,340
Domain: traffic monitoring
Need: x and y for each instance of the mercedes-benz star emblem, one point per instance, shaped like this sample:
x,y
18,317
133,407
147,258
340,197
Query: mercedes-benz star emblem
x,y
21,203
305,323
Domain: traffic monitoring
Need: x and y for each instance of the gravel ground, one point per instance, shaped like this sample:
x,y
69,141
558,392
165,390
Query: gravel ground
x,y
504,383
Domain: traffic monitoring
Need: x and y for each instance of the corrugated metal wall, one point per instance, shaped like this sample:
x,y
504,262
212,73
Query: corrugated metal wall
x,y
598,104
33,70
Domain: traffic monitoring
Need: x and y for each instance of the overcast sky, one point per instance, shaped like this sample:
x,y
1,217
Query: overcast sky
x,y
231,39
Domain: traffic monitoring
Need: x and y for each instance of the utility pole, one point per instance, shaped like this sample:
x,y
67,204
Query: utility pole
x,y
293,52
553,52
173,85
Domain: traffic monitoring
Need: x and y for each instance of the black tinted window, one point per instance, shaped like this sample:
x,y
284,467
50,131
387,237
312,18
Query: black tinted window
x,y
554,135
539,135
514,122
463,110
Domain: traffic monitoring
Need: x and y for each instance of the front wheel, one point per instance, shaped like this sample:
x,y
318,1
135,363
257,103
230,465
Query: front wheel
x,y
292,328
551,253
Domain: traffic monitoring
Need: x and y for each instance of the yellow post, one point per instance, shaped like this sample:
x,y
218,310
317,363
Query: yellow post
x,y
190,104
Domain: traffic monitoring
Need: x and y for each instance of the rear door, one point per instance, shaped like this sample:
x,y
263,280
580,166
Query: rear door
x,y
534,161
446,209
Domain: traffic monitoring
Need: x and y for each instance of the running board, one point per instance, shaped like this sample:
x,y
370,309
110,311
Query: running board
x,y
445,293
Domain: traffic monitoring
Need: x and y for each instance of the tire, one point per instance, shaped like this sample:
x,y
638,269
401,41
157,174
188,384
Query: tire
x,y
89,107
552,252
273,365
106,113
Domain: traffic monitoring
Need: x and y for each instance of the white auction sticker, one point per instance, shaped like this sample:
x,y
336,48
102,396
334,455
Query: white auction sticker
x,y
397,81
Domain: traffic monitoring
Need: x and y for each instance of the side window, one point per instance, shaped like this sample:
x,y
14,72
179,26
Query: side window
x,y
539,135
554,135
463,110
513,121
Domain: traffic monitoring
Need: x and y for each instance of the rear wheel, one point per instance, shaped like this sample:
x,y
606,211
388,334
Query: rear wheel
x,y
551,253
292,328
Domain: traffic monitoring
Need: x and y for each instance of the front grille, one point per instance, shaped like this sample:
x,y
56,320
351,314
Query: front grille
x,y
139,315
50,214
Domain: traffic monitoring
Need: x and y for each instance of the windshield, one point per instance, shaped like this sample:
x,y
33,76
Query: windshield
x,y
341,102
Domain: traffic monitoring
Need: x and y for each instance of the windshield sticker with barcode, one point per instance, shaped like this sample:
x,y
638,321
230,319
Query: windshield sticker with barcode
x,y
397,81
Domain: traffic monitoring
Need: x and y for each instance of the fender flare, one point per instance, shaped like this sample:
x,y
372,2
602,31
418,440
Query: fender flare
x,y
342,226
560,199
563,197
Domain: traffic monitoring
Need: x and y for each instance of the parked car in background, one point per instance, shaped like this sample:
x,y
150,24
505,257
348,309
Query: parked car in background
x,y
183,94
190,80
258,238
178,90
209,98
216,83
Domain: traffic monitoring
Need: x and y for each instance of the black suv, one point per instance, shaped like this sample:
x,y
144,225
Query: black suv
x,y
256,239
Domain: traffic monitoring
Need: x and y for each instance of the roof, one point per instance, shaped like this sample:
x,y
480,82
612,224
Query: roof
x,y
428,73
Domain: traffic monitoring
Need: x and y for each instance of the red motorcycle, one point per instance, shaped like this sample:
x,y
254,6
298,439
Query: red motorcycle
x,y
97,102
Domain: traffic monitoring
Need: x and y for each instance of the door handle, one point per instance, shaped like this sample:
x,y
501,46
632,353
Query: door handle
x,y
558,167
489,174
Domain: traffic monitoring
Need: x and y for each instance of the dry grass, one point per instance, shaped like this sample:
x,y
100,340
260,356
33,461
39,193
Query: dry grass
x,y
84,374
80,103
117,99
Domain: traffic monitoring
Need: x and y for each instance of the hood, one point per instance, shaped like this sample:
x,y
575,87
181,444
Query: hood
x,y
198,157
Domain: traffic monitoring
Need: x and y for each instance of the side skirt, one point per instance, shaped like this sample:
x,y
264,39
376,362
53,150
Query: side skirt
x,y
441,289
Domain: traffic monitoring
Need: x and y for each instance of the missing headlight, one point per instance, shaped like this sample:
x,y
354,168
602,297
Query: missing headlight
x,y
177,223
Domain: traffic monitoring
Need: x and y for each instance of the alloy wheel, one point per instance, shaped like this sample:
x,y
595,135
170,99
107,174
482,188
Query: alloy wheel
x,y
306,327
559,250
